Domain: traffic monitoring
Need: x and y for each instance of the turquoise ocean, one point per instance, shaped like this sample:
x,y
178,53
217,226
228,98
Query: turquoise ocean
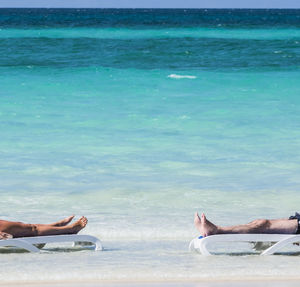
x,y
137,119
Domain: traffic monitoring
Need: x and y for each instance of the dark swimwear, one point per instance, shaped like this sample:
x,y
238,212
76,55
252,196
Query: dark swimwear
x,y
296,216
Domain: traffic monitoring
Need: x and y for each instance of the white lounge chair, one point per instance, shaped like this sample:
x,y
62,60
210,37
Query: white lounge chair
x,y
268,243
29,243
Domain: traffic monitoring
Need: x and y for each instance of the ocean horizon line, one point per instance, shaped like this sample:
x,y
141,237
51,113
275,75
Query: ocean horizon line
x,y
148,8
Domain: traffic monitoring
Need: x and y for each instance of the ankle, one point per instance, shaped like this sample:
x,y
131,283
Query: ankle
x,y
220,230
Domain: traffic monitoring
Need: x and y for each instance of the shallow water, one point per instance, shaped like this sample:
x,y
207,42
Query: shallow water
x,y
138,125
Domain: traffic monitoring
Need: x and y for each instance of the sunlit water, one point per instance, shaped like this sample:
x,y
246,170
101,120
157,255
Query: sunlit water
x,y
137,119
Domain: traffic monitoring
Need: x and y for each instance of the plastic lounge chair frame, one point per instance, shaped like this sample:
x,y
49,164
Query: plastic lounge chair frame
x,y
28,243
279,240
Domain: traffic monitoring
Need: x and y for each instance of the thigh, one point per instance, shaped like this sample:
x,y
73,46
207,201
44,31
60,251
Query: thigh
x,y
286,226
4,225
16,229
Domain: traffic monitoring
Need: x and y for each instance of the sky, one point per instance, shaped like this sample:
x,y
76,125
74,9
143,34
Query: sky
x,y
152,3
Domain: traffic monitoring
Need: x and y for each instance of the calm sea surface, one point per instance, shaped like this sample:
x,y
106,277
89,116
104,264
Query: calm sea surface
x,y
138,118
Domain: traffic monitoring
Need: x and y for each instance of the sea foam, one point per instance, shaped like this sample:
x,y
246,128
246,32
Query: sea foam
x,y
174,76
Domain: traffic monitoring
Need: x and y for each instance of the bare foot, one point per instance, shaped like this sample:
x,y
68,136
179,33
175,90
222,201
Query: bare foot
x,y
4,235
79,224
204,226
63,222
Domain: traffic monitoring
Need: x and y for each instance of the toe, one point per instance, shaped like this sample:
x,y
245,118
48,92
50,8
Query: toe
x,y
197,218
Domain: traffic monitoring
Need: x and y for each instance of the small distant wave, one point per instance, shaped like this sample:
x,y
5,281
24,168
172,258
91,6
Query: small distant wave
x,y
170,33
174,76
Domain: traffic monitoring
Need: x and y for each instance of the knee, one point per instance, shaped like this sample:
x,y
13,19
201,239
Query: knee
x,y
34,229
260,223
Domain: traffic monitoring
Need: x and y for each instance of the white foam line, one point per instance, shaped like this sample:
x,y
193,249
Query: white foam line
x,y
174,76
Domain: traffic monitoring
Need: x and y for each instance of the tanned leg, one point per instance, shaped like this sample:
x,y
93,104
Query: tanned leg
x,y
19,229
74,228
274,226
63,222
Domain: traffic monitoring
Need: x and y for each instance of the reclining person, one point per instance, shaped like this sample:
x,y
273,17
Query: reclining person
x,y
11,229
289,225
